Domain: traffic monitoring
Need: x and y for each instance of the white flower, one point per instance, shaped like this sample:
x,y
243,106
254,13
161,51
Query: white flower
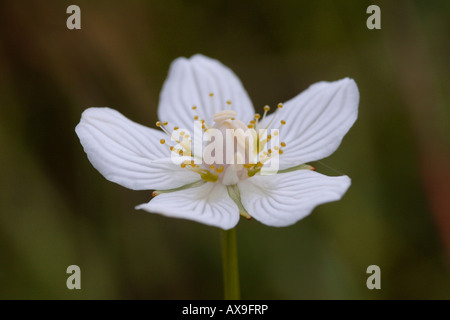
x,y
311,125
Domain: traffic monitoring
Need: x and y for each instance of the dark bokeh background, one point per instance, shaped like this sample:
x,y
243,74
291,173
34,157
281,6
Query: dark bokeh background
x,y
56,210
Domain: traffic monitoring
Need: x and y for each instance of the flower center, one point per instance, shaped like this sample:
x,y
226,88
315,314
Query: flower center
x,y
228,150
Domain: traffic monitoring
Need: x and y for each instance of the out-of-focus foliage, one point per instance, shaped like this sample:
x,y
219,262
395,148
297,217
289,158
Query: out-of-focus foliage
x,y
57,210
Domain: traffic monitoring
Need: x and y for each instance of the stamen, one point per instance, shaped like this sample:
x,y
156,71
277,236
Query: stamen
x,y
163,141
194,108
255,169
275,115
205,174
220,169
258,116
211,95
266,109
283,144
162,127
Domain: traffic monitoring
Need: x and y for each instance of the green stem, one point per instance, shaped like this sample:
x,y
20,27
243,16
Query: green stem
x,y
230,265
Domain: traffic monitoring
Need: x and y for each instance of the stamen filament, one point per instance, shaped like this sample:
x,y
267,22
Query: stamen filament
x,y
212,102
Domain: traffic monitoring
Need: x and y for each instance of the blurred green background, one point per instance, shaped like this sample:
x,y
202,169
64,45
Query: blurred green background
x,y
57,210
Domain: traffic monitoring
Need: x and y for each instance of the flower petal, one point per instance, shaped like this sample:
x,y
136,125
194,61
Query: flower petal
x,y
208,204
316,121
283,199
128,153
189,83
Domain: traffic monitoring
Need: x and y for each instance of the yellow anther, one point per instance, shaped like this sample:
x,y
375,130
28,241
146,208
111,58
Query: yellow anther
x,y
276,148
172,148
181,133
211,167
252,121
158,123
165,123
280,151
220,169
266,108
196,118
269,151
228,102
257,116
194,108
280,105
187,136
275,133
211,94
162,141
250,126
269,137
203,126
175,128
233,119
183,165
180,152
283,144
283,122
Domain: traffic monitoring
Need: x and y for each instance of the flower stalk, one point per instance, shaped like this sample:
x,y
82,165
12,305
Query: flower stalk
x,y
230,265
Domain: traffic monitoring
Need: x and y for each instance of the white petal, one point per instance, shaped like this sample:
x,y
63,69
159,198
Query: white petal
x,y
208,204
316,121
128,153
189,83
283,199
